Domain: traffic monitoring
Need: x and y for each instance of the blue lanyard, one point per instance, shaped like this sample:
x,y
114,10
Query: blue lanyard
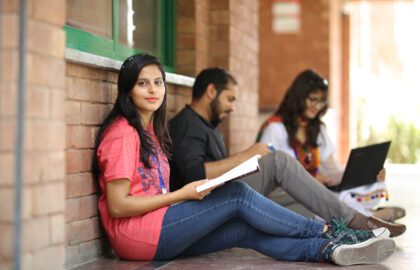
x,y
162,183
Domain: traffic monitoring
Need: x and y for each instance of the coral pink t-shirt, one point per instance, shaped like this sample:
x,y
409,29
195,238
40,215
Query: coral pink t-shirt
x,y
133,238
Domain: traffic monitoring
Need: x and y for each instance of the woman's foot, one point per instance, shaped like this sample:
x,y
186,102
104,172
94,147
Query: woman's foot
x,y
371,251
389,214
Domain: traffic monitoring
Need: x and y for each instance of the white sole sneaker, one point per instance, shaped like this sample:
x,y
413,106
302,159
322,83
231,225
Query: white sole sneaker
x,y
381,232
371,251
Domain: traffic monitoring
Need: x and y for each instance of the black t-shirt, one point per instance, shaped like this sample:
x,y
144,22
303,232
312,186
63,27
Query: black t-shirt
x,y
194,142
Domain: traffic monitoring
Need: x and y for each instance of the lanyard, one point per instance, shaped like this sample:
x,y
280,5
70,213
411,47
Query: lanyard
x,y
162,183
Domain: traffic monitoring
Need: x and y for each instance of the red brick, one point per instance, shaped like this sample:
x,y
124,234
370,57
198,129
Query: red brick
x,y
220,48
219,17
112,76
202,29
81,208
185,70
45,71
78,161
48,199
82,231
34,167
185,41
202,45
46,39
185,25
37,101
35,234
202,14
9,65
52,257
219,32
81,71
80,184
219,61
88,206
185,8
6,241
8,99
51,11
56,167
57,105
81,136
27,203
10,6
7,166
44,135
72,210
185,57
89,90
73,112
8,134
87,251
219,4
94,114
57,229
9,31
6,204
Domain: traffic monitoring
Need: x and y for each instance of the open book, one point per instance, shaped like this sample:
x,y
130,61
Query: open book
x,y
245,168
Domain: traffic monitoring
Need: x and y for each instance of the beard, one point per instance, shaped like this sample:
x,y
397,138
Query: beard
x,y
215,109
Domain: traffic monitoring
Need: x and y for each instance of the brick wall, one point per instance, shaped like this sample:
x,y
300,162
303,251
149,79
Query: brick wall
x,y
244,64
226,35
283,56
185,37
43,161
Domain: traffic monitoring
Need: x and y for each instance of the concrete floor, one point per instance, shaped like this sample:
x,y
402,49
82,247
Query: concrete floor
x,y
404,190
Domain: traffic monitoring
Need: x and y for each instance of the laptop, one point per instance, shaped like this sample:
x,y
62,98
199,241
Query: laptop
x,y
363,166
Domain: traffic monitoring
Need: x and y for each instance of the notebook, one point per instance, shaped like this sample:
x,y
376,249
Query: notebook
x,y
363,166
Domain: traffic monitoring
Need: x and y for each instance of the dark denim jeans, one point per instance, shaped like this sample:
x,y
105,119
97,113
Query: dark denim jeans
x,y
234,215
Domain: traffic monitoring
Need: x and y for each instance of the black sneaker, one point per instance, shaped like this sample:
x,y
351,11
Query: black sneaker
x,y
339,233
371,251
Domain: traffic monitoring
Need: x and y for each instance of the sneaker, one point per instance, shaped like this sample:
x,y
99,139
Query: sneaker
x,y
339,233
371,251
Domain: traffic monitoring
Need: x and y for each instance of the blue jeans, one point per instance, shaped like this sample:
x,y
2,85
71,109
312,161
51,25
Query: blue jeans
x,y
234,215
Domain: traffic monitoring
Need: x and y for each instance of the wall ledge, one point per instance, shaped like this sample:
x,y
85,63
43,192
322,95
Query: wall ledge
x,y
89,59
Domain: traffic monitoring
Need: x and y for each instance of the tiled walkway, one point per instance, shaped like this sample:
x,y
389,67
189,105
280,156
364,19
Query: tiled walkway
x,y
404,189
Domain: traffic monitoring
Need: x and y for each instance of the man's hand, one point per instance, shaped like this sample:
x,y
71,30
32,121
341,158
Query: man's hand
x,y
325,180
258,149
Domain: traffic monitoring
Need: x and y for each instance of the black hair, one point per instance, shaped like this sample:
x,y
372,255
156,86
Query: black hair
x,y
294,105
124,106
217,76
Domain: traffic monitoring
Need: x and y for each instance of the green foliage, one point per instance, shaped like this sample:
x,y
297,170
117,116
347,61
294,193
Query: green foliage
x,y
405,137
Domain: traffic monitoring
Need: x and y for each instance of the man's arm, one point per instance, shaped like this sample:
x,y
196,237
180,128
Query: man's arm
x,y
219,167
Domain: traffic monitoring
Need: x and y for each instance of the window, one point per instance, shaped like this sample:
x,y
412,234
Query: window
x,y
119,28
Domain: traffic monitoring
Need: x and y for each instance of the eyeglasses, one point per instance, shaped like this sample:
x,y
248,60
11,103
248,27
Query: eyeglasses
x,y
318,102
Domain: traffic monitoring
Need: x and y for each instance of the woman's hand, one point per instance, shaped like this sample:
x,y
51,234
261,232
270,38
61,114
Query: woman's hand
x,y
325,180
189,191
381,175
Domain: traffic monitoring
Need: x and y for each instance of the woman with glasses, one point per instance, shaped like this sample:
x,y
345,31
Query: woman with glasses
x,y
296,128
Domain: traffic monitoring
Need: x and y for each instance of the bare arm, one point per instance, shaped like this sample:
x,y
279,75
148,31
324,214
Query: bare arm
x,y
331,172
217,168
121,204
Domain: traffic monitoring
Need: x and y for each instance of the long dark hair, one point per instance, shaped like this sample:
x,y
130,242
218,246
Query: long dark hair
x,y
294,104
124,106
